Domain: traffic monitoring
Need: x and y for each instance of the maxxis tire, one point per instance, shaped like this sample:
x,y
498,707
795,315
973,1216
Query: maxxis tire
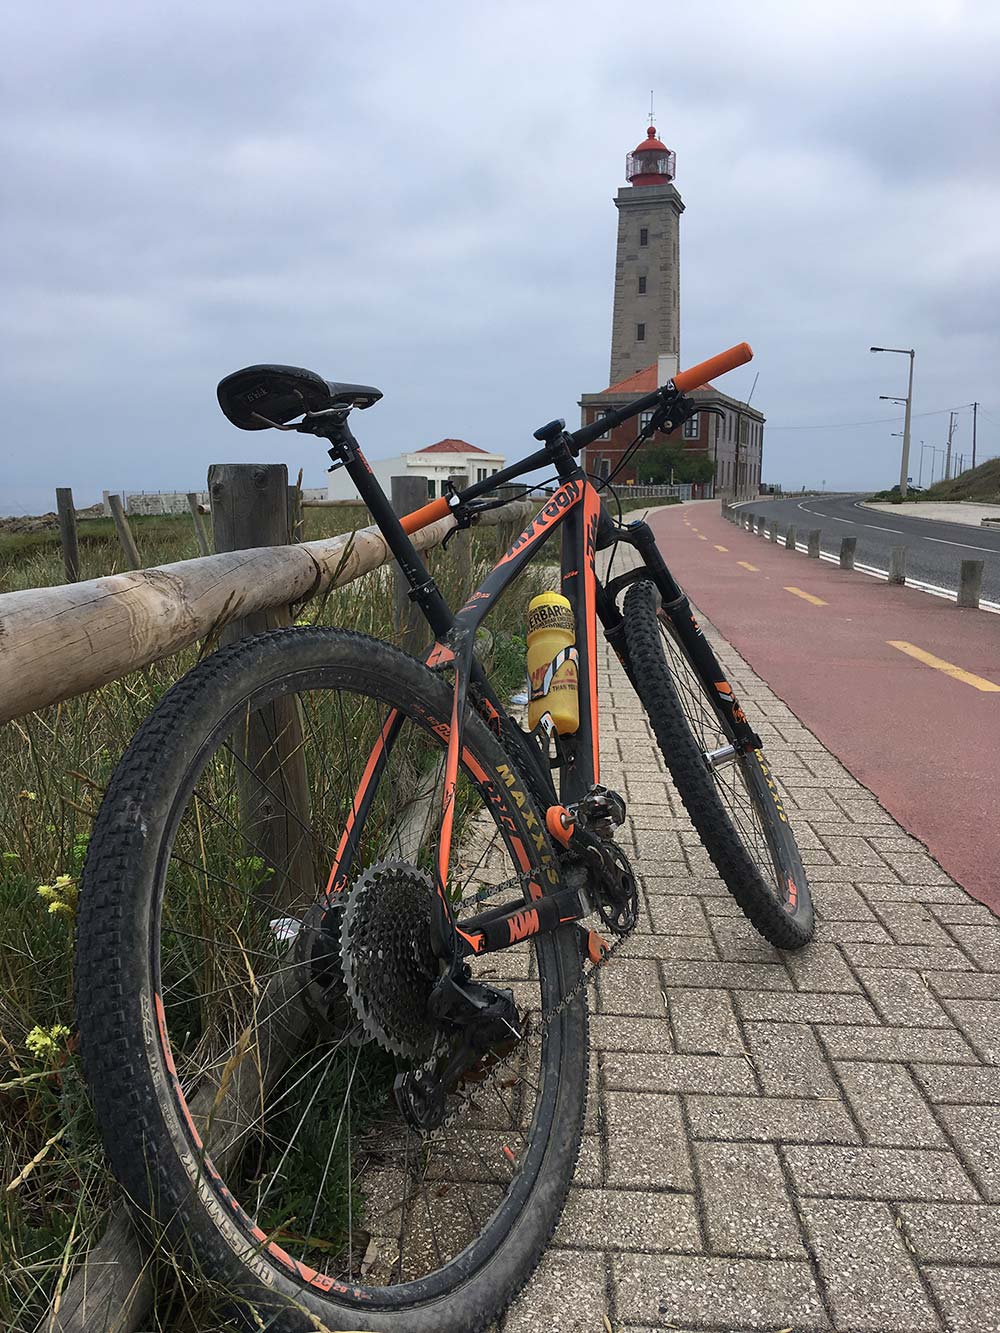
x,y
785,922
122,1057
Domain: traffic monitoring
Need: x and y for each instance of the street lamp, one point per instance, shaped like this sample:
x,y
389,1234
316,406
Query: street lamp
x,y
905,460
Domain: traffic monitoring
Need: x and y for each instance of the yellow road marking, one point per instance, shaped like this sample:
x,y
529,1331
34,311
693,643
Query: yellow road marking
x,y
702,537
754,569
949,668
722,548
807,597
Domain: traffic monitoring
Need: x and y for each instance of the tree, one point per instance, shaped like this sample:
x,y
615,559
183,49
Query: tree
x,y
657,463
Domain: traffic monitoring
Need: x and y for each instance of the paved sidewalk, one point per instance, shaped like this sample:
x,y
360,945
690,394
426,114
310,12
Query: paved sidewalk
x,y
944,511
784,1142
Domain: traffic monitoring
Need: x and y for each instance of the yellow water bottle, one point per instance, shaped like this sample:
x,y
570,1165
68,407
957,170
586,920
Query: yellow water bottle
x,y
553,671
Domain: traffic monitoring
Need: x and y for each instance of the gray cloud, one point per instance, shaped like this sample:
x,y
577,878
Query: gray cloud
x,y
420,197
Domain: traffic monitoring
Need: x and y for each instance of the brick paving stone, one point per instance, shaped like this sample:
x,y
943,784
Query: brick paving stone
x,y
684,883
704,1022
746,1206
670,948
868,1043
952,1232
975,1131
964,914
777,1119
913,923
909,956
679,1073
821,967
842,902
903,997
879,1173
567,1294
788,1060
711,1293
969,1297
852,851
731,976
631,986
965,985
888,1105
615,1032
737,944
960,1083
980,1021
805,1007
678,915
646,1142
843,931
630,1219
869,1278
913,868
897,891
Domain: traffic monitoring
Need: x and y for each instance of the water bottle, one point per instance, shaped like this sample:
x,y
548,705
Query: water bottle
x,y
553,663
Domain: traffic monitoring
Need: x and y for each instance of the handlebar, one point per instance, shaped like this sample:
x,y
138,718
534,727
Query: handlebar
x,y
715,365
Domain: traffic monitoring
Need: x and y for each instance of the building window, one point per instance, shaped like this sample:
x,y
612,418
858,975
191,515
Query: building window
x,y
642,284
640,333
643,235
481,474
431,484
691,428
644,419
602,466
596,416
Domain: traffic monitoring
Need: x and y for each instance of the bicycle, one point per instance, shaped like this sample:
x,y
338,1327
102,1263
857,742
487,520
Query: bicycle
x,y
340,1059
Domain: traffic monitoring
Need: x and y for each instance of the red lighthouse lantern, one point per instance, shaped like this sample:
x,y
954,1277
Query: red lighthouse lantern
x,y
652,163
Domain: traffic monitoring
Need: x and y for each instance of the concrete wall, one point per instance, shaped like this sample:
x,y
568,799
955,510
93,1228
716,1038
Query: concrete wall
x,y
160,502
657,208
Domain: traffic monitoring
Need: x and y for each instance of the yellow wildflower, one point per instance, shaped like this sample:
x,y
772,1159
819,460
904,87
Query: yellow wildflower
x,y
28,795
60,896
44,1042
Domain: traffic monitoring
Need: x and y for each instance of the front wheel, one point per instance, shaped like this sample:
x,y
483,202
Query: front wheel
x,y
732,799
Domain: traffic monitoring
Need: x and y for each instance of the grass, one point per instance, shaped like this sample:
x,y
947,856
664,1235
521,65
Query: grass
x,y
54,1187
980,485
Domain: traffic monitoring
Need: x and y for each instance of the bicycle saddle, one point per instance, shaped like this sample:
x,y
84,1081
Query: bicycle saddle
x,y
260,396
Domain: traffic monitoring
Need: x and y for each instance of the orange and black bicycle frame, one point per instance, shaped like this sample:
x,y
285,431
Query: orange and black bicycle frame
x,y
574,509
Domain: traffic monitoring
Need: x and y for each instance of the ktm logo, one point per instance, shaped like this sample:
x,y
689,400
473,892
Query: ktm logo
x,y
564,498
523,924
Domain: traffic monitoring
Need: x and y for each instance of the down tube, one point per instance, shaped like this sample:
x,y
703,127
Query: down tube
x,y
579,584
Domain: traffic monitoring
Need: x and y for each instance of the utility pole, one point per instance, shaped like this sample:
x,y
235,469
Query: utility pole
x,y
904,461
975,409
947,461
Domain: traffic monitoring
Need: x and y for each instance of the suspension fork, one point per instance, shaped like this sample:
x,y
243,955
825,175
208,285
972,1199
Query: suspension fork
x,y
677,610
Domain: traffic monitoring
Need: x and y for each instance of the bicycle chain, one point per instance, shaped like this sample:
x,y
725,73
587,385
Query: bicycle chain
x,y
586,975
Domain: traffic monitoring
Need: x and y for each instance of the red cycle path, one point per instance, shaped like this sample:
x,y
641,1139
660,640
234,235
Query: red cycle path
x,y
926,744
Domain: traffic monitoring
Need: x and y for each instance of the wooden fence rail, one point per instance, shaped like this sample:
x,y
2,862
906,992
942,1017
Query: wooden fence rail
x,y
59,642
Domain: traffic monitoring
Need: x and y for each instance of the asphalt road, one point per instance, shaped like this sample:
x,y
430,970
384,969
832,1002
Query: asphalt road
x,y
934,549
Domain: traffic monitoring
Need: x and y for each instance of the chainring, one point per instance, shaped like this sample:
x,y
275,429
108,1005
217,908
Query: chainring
x,y
618,894
388,963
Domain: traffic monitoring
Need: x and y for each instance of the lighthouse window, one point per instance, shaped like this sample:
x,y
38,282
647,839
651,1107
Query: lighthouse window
x,y
643,235
642,284
640,333
691,428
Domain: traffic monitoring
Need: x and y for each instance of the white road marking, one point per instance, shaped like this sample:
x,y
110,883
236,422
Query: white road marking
x,y
964,545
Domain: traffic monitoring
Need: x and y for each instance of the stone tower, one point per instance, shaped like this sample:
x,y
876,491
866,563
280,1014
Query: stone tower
x,y
646,320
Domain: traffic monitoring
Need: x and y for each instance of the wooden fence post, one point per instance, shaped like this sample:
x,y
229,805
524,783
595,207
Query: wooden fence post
x,y
249,509
199,527
125,538
67,533
407,493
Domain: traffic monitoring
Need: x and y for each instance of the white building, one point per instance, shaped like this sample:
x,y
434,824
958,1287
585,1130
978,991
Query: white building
x,y
435,464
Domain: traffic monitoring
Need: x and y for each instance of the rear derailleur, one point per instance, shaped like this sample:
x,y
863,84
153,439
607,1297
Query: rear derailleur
x,y
477,1025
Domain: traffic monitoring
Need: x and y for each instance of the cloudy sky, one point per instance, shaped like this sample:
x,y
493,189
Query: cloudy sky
x,y
419,197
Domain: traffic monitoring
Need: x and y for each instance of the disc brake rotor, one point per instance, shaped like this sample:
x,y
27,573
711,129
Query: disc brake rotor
x,y
386,955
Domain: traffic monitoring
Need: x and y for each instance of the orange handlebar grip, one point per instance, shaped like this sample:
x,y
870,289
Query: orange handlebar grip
x,y
715,365
427,514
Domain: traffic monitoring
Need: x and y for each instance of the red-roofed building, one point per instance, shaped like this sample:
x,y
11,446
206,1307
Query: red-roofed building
x,y
435,463
645,334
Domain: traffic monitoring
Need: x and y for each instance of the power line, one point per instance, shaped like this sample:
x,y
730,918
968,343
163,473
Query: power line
x,y
875,421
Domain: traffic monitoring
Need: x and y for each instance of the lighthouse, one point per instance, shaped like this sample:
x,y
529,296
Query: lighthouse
x,y
646,320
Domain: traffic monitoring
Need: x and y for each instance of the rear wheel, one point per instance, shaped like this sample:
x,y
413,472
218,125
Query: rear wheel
x,y
243,1072
732,799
